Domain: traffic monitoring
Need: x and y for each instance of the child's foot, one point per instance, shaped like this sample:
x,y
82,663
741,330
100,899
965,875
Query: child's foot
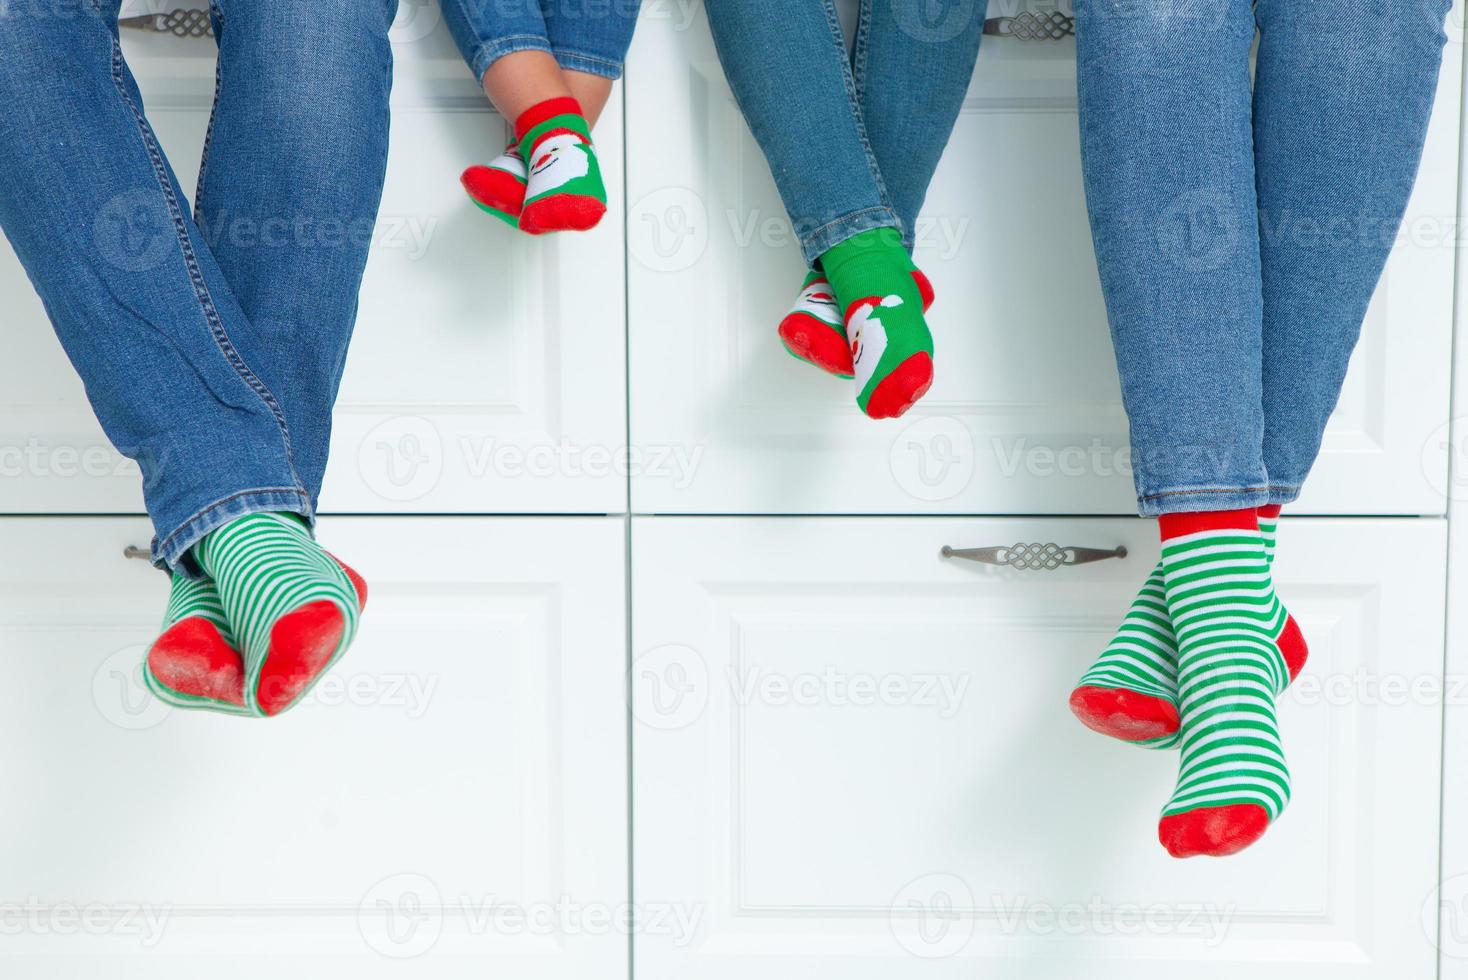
x,y
814,332
499,188
1232,780
196,663
1130,692
891,348
565,190
291,607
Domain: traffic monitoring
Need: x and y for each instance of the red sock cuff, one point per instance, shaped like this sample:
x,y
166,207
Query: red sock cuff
x,y
1177,525
549,109
1270,511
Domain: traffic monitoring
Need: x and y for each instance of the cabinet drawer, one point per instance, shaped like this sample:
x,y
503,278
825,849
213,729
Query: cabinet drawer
x,y
465,763
855,758
1025,413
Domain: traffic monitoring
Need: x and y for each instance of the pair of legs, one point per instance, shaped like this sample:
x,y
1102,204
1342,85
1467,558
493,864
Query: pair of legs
x,y
547,66
1240,229
211,342
853,137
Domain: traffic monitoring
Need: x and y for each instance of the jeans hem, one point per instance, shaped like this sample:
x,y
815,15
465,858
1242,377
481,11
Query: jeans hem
x,y
491,51
588,64
833,233
170,552
1194,499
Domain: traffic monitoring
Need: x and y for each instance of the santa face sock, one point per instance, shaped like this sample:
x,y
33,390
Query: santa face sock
x,y
292,608
499,188
564,190
891,347
813,330
1232,779
1130,692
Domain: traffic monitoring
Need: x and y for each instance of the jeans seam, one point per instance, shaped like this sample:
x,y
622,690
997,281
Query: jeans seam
x,y
196,278
213,115
493,50
833,18
572,53
859,49
845,218
162,547
1209,490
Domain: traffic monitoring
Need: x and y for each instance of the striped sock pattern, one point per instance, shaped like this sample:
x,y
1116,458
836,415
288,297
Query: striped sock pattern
x,y
292,607
194,663
1232,778
1130,692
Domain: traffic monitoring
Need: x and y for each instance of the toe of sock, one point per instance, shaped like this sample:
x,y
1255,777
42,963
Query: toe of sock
x,y
817,343
901,389
1127,715
563,212
191,658
1212,831
302,645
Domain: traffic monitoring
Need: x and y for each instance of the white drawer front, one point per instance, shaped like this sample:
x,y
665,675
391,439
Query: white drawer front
x,y
1025,415
453,793
853,758
486,373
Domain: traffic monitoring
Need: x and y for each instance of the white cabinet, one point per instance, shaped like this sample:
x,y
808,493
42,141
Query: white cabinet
x,y
1025,413
487,369
453,793
855,759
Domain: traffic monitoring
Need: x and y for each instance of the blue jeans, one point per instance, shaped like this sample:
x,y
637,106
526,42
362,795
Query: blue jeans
x,y
211,344
1240,231
590,36
852,140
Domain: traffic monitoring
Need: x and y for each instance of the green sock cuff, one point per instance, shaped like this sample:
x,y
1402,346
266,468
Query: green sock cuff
x,y
884,244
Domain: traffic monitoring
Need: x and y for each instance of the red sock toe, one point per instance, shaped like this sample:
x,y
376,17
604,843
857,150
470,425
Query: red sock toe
x,y
302,644
819,343
925,288
898,391
495,189
192,659
358,582
1291,643
1213,831
562,212
1127,715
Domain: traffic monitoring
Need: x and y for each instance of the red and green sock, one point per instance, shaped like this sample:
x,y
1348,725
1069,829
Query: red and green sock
x,y
499,187
564,190
813,330
891,347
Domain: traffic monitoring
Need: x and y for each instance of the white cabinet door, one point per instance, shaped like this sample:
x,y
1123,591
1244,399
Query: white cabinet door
x,y
487,370
1025,414
453,793
853,759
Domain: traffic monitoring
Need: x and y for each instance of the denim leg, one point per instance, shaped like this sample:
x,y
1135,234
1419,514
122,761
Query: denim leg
x,y
97,218
1168,163
292,180
912,62
786,61
591,36
487,30
1341,105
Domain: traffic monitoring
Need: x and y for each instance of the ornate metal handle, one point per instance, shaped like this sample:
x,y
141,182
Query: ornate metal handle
x,y
1028,26
179,23
1035,557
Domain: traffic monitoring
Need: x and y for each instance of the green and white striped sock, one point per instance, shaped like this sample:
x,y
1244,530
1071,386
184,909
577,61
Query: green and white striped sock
x,y
1130,692
291,606
194,663
1232,778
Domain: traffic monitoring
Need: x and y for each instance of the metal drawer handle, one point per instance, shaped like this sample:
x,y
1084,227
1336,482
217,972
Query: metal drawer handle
x,y
1052,26
140,553
1035,557
179,23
